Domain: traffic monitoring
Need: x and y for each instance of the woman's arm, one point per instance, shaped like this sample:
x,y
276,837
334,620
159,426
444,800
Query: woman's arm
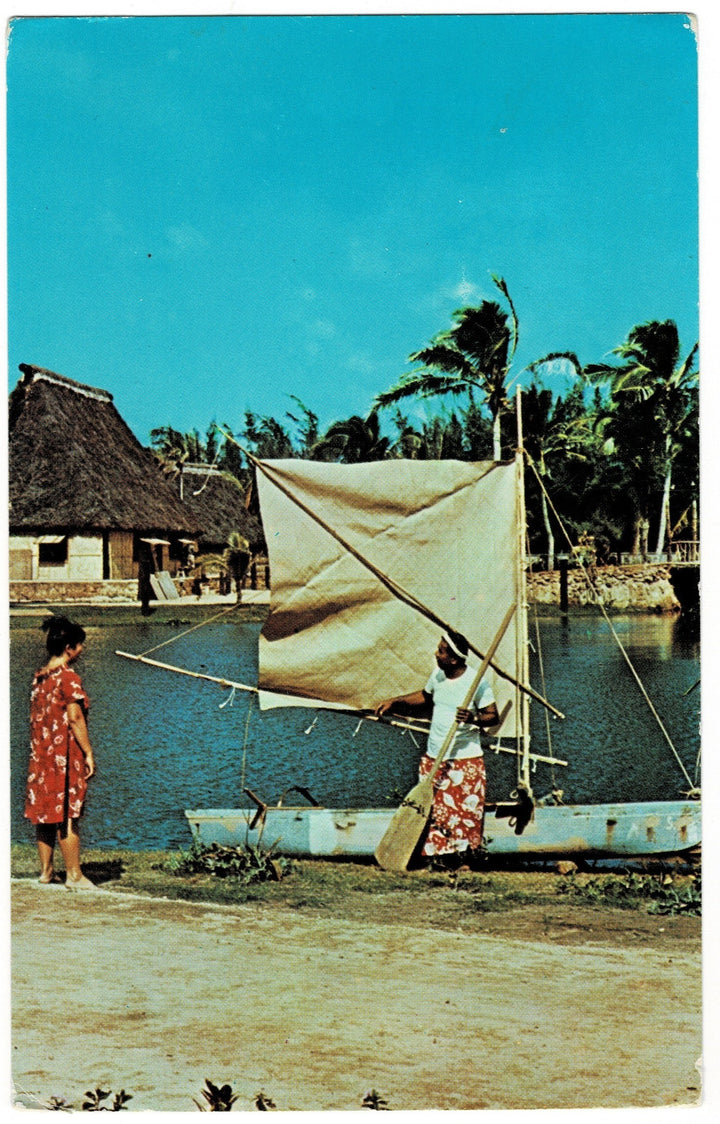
x,y
78,725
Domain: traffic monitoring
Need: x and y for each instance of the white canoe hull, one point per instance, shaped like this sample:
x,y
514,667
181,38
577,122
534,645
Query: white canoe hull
x,y
612,830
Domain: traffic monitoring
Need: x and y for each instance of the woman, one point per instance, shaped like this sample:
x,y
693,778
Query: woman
x,y
61,758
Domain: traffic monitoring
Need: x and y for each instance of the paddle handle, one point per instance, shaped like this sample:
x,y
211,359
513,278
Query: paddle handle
x,y
471,691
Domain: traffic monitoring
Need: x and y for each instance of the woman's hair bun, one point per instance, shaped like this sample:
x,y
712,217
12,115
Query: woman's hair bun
x,y
55,624
62,632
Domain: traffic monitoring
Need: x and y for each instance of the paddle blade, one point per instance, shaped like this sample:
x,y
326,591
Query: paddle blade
x,y
395,849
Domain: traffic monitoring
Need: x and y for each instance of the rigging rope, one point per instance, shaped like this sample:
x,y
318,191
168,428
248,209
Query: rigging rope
x,y
541,666
245,741
187,631
599,603
394,587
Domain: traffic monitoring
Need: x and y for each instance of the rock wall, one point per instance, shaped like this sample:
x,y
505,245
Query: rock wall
x,y
642,589
58,592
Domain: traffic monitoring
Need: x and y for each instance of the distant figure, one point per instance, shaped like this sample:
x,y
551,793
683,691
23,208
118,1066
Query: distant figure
x,y
456,820
146,567
197,586
61,758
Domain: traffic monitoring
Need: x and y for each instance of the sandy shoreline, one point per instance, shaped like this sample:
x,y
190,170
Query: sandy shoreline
x,y
316,1011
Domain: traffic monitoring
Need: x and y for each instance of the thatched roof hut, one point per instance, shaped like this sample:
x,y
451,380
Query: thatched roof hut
x,y
75,464
217,501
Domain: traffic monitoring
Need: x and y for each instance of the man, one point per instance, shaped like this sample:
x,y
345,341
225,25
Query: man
x,y
456,821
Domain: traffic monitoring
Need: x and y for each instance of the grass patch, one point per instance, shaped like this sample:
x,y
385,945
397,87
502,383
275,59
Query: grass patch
x,y
666,895
356,891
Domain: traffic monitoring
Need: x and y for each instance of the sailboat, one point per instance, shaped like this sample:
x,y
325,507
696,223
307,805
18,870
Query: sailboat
x,y
369,561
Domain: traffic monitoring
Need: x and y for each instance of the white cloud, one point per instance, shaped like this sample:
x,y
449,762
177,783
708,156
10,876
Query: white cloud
x,y
186,237
466,292
361,362
322,329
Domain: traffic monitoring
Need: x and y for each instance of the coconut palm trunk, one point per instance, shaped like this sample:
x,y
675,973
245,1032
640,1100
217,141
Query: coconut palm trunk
x,y
664,508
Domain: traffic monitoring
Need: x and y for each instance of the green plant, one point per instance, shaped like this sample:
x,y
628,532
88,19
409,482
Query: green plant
x,y
374,1100
219,1098
94,1098
628,891
244,864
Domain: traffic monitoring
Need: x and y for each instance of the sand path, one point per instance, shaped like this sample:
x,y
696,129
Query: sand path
x,y
154,996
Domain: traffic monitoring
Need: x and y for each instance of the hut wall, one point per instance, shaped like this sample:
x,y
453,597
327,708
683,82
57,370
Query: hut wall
x,y
23,558
81,559
122,567
85,559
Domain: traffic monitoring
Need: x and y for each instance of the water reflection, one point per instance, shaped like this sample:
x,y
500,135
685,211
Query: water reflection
x,y
165,742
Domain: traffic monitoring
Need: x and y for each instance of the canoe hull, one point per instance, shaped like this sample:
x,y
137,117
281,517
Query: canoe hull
x,y
601,830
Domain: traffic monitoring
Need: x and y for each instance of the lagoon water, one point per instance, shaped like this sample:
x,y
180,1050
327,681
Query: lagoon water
x,y
165,742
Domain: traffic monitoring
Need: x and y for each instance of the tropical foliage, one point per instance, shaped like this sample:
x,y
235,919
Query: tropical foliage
x,y
473,357
651,413
617,451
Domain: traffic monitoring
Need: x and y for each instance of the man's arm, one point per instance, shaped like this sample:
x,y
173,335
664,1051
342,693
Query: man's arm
x,y
488,716
418,702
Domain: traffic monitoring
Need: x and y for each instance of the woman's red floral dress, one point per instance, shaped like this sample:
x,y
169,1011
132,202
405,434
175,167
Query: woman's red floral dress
x,y
56,785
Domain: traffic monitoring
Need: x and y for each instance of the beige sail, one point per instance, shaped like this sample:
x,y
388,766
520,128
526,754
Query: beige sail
x,y
443,531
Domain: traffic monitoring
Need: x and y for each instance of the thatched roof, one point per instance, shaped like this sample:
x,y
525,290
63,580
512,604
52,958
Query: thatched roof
x,y
75,464
218,503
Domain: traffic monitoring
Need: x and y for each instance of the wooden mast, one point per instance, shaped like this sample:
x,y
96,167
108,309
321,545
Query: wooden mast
x,y
521,625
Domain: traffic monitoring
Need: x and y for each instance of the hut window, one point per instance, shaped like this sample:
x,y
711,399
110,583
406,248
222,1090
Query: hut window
x,y
53,551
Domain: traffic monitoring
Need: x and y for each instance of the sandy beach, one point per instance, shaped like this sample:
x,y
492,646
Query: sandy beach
x,y
154,996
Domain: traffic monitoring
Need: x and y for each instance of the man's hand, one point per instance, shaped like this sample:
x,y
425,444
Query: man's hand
x,y
462,714
384,707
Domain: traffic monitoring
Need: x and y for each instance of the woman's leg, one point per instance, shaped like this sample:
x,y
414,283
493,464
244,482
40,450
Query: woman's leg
x,y
70,847
45,835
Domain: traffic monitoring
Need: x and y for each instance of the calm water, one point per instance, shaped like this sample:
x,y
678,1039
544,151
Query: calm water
x,y
163,742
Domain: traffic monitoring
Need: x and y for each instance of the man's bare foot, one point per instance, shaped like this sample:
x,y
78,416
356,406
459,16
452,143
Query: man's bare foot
x,y
48,879
81,883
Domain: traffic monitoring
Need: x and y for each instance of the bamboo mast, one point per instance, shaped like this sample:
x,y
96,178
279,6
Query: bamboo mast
x,y
521,629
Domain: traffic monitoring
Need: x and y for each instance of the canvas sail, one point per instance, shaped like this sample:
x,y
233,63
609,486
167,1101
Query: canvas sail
x,y
445,531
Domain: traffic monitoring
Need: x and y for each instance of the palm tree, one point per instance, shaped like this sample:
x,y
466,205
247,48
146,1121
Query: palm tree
x,y
556,430
269,437
440,438
172,449
474,355
351,441
307,423
652,404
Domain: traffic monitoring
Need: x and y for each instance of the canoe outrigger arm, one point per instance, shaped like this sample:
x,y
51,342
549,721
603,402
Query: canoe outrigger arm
x,y
368,717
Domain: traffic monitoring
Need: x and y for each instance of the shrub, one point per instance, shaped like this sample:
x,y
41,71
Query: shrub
x,y
243,864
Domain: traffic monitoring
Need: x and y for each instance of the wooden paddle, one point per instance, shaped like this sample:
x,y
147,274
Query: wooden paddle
x,y
395,849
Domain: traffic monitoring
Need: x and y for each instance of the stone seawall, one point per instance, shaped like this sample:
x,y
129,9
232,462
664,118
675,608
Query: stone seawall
x,y
60,592
641,589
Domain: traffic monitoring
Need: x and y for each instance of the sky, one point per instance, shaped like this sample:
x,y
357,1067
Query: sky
x,y
211,214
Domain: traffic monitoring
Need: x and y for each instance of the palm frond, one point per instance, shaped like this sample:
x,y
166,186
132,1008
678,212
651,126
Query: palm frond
x,y
502,286
684,373
421,385
570,356
448,359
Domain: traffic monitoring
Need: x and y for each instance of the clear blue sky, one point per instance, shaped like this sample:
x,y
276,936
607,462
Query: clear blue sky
x,y
209,214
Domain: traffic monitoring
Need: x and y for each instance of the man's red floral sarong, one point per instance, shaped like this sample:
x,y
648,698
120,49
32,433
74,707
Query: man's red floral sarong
x,y
456,821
